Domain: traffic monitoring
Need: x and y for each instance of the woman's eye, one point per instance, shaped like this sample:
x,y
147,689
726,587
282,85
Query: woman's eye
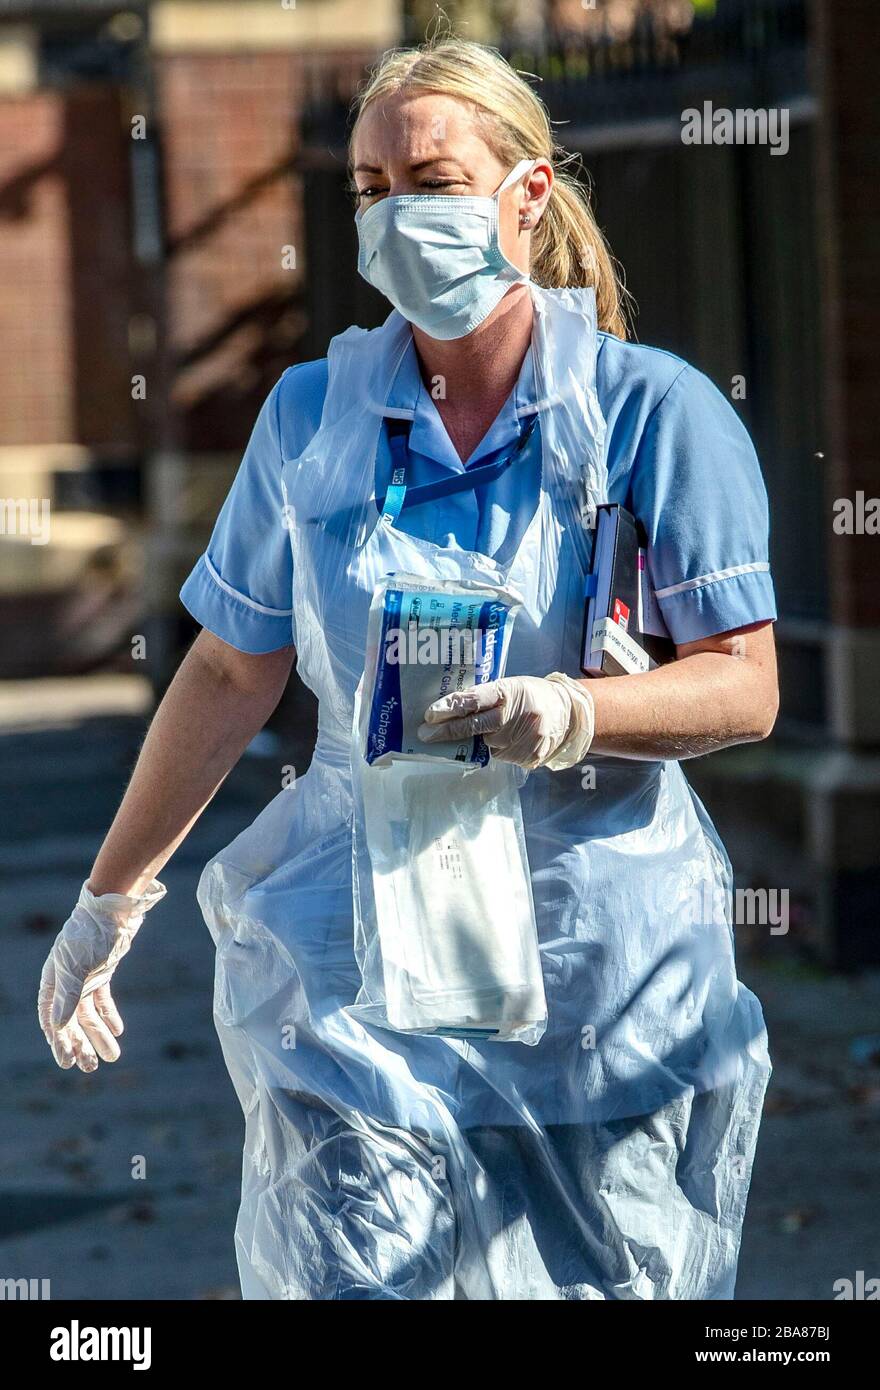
x,y
433,185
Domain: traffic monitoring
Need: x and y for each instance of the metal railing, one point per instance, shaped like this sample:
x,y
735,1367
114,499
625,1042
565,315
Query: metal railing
x,y
756,48
643,34
737,32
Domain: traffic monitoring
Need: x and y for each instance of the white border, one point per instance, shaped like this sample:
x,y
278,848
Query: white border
x,y
756,567
243,598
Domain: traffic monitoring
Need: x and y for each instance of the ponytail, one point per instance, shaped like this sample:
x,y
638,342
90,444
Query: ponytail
x,y
569,249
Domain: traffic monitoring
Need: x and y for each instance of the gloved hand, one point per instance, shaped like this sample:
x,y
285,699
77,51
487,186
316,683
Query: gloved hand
x,y
77,1014
535,721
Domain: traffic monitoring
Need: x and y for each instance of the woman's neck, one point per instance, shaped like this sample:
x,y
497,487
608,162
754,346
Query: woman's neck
x,y
470,378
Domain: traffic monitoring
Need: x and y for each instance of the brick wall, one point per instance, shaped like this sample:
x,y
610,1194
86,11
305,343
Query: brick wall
x,y
102,272
230,132
69,285
65,273
36,391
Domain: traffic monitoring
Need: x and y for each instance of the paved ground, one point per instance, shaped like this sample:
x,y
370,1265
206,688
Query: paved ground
x,y
69,1208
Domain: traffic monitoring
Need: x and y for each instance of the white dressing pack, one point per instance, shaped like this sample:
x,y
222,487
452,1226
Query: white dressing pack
x,y
450,943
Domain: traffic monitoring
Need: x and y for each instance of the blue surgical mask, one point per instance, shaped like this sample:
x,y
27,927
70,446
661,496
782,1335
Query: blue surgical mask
x,y
438,259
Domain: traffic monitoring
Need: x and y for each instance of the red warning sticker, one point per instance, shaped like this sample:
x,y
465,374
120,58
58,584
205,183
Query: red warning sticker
x,y
620,614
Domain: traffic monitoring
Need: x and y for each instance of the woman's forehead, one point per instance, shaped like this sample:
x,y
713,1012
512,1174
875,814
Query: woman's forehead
x,y
406,127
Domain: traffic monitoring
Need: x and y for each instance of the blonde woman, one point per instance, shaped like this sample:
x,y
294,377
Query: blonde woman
x,y
612,1159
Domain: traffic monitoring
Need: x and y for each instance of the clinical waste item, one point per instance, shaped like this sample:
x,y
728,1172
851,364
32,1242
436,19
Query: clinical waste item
x,y
425,641
455,950
624,632
449,944
533,721
76,1010
438,258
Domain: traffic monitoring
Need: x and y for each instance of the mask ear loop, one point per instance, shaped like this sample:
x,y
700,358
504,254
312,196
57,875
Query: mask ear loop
x,y
516,173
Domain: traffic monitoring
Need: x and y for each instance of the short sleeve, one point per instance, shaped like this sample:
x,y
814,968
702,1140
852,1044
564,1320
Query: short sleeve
x,y
241,588
696,486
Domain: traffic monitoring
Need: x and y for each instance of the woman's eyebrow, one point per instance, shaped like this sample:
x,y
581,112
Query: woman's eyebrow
x,y
435,159
414,168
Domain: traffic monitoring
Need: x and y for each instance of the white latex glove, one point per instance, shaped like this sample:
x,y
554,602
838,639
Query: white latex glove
x,y
77,1014
535,721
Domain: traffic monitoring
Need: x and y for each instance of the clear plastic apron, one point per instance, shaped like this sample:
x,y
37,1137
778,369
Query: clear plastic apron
x,y
650,1037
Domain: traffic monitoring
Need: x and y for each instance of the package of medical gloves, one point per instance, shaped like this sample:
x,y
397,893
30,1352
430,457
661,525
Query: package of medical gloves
x,y
445,930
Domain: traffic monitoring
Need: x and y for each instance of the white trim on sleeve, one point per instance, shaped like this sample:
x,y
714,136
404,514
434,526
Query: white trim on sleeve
x,y
756,567
243,598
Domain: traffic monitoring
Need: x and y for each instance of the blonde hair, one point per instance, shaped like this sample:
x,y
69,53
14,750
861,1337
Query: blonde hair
x,y
567,246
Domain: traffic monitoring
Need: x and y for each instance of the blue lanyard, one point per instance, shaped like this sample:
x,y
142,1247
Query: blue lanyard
x,y
399,496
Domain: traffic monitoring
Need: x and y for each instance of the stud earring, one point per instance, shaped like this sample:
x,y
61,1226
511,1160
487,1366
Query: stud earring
x,y
525,219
